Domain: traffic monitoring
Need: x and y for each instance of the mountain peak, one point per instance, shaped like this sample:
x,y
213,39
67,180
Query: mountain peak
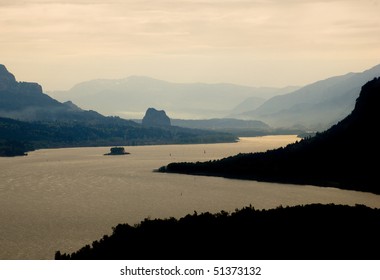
x,y
7,79
368,100
8,83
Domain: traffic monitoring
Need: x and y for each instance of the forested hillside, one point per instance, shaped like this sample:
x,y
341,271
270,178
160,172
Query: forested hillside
x,y
342,156
301,232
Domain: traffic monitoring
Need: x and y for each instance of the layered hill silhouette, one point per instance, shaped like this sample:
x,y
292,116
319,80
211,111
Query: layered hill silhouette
x,y
314,107
343,156
30,119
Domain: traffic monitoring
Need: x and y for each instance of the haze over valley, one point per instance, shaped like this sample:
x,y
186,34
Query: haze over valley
x,y
130,97
316,106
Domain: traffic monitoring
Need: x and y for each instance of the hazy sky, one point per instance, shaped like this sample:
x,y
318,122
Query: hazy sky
x,y
255,42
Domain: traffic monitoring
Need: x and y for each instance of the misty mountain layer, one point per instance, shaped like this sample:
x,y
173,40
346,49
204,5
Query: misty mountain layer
x,y
316,106
130,97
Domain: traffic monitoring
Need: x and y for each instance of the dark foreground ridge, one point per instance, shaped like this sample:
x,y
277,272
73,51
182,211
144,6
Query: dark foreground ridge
x,y
343,156
315,231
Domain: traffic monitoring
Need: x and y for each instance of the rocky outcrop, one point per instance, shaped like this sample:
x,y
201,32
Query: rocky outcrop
x,y
8,83
7,80
26,101
29,88
154,117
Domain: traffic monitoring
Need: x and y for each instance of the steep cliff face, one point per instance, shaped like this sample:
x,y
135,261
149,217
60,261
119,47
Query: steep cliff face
x,y
8,83
25,101
154,117
366,107
7,80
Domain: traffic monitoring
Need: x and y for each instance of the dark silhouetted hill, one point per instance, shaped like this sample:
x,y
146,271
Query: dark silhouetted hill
x,y
309,232
343,156
156,118
26,101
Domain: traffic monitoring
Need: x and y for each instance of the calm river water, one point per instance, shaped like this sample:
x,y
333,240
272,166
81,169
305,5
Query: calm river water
x,y
63,199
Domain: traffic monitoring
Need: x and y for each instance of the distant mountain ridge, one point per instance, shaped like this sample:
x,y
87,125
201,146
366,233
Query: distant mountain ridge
x,y
253,102
316,106
130,97
343,156
220,123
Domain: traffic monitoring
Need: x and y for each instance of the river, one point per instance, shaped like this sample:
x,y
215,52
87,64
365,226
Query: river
x,y
63,199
